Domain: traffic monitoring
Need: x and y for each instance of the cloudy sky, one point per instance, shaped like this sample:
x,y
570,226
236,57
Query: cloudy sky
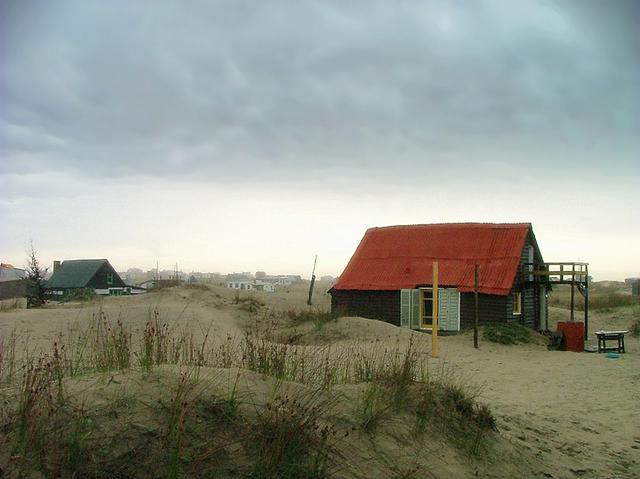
x,y
243,135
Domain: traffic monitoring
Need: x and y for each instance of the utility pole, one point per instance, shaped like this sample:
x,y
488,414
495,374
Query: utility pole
x,y
313,280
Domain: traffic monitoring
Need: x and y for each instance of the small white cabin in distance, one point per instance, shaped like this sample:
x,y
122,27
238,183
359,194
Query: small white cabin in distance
x,y
253,285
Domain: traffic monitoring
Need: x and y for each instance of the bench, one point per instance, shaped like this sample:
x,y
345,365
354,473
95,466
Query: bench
x,y
604,336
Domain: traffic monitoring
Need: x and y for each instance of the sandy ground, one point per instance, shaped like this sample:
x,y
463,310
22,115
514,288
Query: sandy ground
x,y
565,414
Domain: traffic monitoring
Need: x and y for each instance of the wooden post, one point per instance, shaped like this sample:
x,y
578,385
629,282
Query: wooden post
x,y
434,323
573,277
586,302
475,297
313,280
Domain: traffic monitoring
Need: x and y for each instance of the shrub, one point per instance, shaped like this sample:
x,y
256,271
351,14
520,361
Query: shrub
x,y
507,333
80,294
250,304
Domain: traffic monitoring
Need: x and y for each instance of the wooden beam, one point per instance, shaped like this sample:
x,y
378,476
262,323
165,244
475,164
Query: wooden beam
x,y
434,320
586,306
565,272
572,297
475,297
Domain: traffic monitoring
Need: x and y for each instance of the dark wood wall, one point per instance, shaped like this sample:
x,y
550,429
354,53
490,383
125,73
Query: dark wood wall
x,y
491,309
99,280
13,289
383,305
530,292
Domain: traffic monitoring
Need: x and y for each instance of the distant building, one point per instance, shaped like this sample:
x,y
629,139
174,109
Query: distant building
x,y
635,288
261,275
71,276
252,285
279,280
239,277
631,281
8,272
12,282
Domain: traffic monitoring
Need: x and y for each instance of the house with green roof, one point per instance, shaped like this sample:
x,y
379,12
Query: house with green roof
x,y
71,277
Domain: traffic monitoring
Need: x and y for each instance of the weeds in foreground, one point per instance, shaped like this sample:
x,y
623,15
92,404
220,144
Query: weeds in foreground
x,y
8,357
178,410
372,407
111,344
290,439
452,410
395,378
35,400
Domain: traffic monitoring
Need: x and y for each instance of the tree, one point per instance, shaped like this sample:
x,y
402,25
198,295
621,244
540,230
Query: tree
x,y
36,279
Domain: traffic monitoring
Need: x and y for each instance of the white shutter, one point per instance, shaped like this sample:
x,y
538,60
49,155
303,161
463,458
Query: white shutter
x,y
410,308
416,320
448,309
405,308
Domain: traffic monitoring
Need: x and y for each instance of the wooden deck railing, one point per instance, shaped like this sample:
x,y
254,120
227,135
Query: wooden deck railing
x,y
556,273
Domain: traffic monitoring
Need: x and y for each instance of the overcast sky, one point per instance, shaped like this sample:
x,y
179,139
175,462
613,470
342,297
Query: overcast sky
x,y
251,135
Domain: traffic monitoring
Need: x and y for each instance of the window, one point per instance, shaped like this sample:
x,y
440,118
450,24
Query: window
x,y
109,278
427,308
517,303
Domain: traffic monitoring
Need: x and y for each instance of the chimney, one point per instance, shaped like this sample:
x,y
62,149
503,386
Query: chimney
x,y
56,265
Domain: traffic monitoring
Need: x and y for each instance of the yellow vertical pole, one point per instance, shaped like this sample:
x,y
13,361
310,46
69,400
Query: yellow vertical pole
x,y
434,324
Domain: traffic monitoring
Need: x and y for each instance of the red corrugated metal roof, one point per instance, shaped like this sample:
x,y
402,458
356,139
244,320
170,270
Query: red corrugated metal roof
x,y
401,257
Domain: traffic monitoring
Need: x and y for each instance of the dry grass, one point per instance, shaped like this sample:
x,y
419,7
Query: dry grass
x,y
601,296
12,304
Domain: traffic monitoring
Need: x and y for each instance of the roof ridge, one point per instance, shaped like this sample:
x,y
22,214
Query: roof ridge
x,y
467,224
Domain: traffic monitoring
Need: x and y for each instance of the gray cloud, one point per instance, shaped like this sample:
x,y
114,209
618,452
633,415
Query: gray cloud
x,y
244,88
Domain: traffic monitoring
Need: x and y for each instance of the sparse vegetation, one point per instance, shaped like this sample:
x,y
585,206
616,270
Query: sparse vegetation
x,y
188,428
249,304
318,317
453,410
373,407
290,440
602,296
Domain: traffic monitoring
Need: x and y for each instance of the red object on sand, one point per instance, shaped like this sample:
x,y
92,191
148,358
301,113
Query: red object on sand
x,y
573,335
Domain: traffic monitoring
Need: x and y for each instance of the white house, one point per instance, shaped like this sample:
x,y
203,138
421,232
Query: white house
x,y
253,285
9,273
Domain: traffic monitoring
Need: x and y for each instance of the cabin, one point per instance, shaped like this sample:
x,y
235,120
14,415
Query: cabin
x,y
390,276
72,276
